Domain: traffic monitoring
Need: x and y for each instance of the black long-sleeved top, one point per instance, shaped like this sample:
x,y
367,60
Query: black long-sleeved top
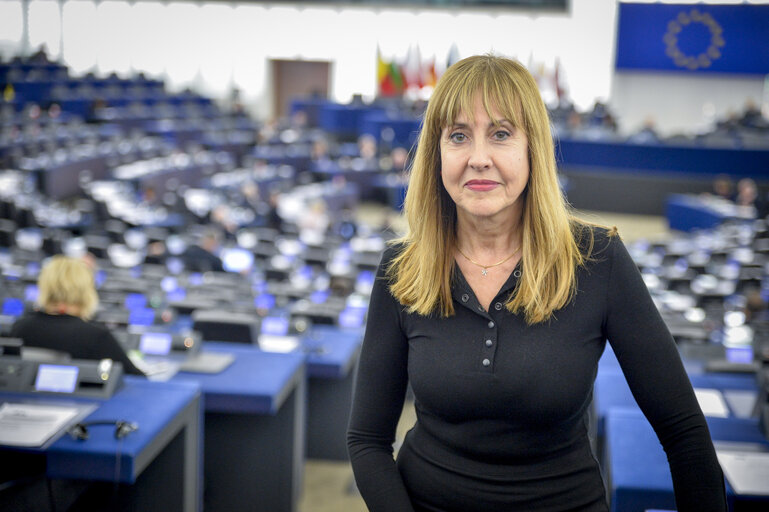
x,y
71,334
502,406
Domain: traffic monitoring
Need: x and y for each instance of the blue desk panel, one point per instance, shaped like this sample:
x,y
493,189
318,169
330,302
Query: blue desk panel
x,y
638,467
166,413
257,382
151,405
331,352
695,160
611,390
332,355
254,430
688,213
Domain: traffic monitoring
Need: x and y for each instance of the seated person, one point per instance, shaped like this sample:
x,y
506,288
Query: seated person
x,y
203,256
67,299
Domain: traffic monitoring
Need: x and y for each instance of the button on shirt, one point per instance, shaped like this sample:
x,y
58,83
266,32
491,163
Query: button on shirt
x,y
465,300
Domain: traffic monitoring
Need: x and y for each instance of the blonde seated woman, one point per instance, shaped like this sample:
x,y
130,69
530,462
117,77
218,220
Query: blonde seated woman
x,y
67,299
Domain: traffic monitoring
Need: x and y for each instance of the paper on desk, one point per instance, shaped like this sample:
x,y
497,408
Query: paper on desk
x,y
276,343
157,369
712,402
32,424
747,472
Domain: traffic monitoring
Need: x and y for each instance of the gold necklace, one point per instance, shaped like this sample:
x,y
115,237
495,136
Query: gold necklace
x,y
485,268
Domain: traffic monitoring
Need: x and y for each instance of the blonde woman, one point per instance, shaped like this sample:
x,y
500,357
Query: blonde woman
x,y
495,307
67,300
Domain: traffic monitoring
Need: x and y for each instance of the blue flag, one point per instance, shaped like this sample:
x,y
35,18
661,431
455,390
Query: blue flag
x,y
693,38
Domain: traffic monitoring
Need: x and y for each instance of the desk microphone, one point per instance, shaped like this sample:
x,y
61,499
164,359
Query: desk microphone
x,y
80,432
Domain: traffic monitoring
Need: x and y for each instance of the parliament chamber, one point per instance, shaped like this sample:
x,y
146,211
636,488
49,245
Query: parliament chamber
x,y
250,344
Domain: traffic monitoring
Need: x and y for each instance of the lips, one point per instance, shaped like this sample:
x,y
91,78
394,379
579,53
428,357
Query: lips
x,y
481,185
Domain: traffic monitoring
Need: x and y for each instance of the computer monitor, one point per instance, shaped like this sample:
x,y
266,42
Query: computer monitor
x,y
155,343
12,306
275,325
135,301
56,378
237,260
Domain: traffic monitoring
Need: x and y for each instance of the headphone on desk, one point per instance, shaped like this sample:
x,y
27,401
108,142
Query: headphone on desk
x,y
80,432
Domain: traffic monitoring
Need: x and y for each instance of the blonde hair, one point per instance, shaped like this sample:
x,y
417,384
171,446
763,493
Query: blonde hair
x,y
420,275
67,281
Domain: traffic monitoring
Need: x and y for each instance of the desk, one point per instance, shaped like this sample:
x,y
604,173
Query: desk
x,y
619,156
611,391
332,355
254,430
638,468
159,463
689,212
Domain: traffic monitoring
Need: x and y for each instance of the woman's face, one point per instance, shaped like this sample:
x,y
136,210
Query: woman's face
x,y
485,165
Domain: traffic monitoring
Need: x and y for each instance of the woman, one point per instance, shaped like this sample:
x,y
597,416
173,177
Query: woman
x,y
67,299
496,306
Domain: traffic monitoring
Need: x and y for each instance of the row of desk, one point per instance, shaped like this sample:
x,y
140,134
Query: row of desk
x,y
234,440
634,463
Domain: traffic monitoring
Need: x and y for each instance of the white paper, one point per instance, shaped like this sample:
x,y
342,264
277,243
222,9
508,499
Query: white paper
x,y
741,402
207,362
275,343
156,369
712,403
747,472
32,424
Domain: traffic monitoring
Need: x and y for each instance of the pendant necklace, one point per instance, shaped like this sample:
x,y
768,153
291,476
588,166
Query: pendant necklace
x,y
485,268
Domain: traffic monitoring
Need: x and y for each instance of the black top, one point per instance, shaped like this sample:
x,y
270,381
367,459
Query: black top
x,y
71,334
502,407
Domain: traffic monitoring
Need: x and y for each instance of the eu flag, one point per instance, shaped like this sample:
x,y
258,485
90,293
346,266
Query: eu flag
x,y
693,38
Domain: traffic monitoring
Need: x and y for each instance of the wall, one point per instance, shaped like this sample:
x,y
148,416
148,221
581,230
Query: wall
x,y
216,46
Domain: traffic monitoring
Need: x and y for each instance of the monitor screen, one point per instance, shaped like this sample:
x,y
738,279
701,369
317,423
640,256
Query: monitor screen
x,y
264,301
30,293
169,284
155,343
351,317
56,378
739,354
135,301
13,306
141,316
175,265
275,325
237,260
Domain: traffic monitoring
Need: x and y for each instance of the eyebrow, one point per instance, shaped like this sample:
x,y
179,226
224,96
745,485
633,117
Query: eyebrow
x,y
491,124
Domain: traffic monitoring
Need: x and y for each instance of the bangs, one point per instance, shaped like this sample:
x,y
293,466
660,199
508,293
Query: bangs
x,y
487,81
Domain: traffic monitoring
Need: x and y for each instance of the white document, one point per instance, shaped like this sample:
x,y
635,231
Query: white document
x,y
277,343
741,402
156,369
747,472
712,403
32,424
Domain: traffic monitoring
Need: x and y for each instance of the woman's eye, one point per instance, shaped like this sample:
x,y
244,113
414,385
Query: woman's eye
x,y
457,137
501,135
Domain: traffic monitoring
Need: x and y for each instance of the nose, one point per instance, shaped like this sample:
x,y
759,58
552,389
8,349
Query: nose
x,y
480,157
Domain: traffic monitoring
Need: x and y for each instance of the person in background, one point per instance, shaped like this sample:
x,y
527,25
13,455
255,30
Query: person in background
x,y
723,187
203,255
749,195
496,307
67,300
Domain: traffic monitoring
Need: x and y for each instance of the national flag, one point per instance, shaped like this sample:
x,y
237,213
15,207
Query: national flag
x,y
9,93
